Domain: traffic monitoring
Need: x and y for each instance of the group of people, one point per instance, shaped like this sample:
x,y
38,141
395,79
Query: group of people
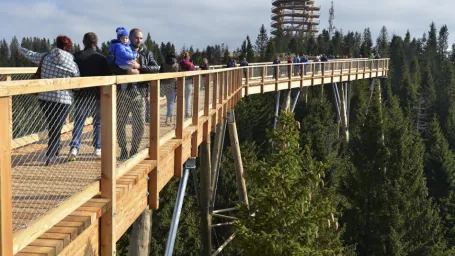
x,y
128,55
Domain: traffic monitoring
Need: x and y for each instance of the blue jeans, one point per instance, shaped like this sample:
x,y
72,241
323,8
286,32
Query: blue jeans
x,y
170,99
82,109
188,88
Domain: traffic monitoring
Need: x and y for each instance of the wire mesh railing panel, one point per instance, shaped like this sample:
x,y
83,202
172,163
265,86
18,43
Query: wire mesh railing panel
x,y
52,158
132,125
189,99
202,94
16,77
211,84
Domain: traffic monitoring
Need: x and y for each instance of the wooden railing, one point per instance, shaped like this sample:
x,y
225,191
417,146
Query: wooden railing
x,y
223,88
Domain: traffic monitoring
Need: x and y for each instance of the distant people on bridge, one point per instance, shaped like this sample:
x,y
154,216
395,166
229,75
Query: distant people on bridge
x,y
204,66
323,60
230,63
276,62
169,86
187,65
304,60
58,63
244,63
296,65
87,100
132,98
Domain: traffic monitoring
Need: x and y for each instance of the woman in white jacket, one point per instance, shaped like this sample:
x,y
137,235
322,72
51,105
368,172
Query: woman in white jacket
x,y
58,63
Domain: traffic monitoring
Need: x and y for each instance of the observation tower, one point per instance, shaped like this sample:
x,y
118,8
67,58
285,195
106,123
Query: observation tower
x,y
299,17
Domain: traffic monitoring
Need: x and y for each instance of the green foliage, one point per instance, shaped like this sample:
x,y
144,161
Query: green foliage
x,y
289,214
270,53
261,43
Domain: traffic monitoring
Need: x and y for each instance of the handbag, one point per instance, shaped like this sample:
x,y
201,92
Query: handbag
x,y
37,74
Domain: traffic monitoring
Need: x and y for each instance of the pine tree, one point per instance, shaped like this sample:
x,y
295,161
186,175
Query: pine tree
x,y
270,53
249,50
389,212
291,214
367,43
243,50
4,54
383,43
443,43
261,43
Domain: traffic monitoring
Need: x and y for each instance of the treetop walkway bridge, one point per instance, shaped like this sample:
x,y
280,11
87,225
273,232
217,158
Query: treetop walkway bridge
x,y
83,206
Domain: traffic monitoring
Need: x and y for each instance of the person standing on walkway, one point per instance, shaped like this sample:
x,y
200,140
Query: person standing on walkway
x,y
187,65
87,100
169,86
58,63
204,66
132,98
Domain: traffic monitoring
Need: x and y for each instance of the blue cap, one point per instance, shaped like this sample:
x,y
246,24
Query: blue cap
x,y
121,32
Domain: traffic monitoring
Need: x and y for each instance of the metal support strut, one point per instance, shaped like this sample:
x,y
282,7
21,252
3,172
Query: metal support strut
x,y
189,165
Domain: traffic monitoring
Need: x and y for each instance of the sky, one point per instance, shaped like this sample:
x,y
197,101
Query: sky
x,y
207,22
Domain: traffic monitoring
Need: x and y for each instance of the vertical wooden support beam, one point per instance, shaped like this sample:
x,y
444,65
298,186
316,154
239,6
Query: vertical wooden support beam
x,y
178,163
206,218
302,68
215,90
364,68
333,70
313,69
214,100
108,168
6,208
277,76
195,120
154,149
343,112
357,71
264,73
220,98
8,78
225,94
371,68
341,73
247,81
207,97
290,67
235,146
322,66
349,74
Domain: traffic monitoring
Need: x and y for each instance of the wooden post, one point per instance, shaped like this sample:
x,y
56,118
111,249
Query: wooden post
x,y
364,68
264,73
277,76
195,120
6,210
207,98
247,81
357,71
215,90
241,185
178,162
154,149
205,195
290,75
140,235
8,78
343,114
108,168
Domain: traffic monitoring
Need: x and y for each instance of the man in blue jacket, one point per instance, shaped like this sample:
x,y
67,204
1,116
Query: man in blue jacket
x,y
132,99
296,66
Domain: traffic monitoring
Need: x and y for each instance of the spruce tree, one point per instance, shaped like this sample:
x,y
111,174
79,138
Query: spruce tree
x,y
389,212
261,42
249,50
288,212
367,43
270,53
383,43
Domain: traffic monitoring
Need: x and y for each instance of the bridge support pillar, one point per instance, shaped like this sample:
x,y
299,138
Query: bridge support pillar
x,y
217,155
140,236
243,196
189,165
206,218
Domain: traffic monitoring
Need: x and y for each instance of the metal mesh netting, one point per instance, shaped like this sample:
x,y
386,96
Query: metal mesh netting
x,y
44,173
132,120
15,77
168,106
189,99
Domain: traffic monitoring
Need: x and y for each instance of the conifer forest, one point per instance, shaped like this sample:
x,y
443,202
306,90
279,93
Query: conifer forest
x,y
389,190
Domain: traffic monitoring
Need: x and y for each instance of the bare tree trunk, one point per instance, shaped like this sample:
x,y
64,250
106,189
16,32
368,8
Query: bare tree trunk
x,y
140,235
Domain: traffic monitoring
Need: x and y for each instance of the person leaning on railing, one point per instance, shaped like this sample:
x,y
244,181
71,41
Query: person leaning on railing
x,y
90,63
204,66
132,98
58,63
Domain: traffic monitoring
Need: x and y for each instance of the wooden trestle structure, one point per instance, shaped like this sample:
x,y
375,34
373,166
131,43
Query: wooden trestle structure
x,y
91,221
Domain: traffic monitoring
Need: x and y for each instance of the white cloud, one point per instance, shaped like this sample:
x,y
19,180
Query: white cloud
x,y
203,22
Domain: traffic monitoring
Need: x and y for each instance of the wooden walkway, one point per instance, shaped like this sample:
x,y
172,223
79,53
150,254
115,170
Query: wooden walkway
x,y
40,192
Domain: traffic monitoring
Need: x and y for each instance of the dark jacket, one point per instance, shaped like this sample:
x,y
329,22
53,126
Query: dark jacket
x,y
243,63
170,65
148,66
204,66
91,63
